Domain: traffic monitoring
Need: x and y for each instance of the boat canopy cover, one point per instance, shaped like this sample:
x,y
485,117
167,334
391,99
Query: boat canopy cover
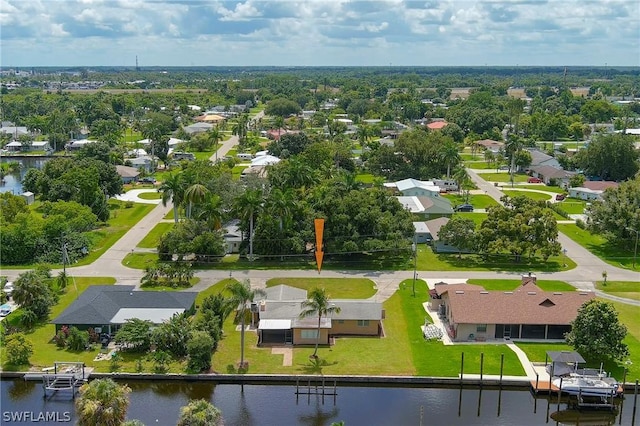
x,y
568,357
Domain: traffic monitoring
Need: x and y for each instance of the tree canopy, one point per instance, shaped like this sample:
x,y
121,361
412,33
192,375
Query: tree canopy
x,y
597,333
610,157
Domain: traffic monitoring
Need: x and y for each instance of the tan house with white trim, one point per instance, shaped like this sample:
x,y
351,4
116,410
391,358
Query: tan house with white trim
x,y
279,322
471,313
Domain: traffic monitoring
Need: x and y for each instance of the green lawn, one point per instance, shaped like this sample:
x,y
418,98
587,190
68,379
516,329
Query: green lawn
x,y
503,177
140,260
337,288
509,285
193,281
366,178
599,246
46,352
477,218
402,351
430,261
627,289
537,196
203,155
479,165
536,352
152,239
545,188
150,195
479,201
629,315
573,205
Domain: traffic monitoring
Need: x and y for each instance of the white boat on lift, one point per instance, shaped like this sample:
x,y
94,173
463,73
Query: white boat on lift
x,y
599,385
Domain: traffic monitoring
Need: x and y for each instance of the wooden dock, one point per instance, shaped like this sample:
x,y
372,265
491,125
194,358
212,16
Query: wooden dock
x,y
543,388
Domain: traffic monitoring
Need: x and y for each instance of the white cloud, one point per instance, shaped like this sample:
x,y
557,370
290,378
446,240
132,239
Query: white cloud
x,y
320,32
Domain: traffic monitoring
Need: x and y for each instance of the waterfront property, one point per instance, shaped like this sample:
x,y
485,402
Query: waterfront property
x,y
105,308
471,313
279,323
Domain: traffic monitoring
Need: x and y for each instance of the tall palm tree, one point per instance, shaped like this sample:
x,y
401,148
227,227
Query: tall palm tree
x,y
317,303
102,402
195,194
241,295
513,146
210,211
247,206
215,137
172,191
279,204
450,155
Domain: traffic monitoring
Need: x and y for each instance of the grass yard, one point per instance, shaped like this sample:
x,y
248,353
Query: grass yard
x,y
366,178
509,285
193,281
337,288
503,177
599,246
46,352
477,218
150,195
152,239
479,201
536,352
430,261
545,188
573,206
140,260
537,196
479,165
627,289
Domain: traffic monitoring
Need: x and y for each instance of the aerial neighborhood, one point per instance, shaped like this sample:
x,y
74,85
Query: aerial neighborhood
x,y
281,221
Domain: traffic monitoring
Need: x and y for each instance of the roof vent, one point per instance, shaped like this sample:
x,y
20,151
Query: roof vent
x,y
508,292
484,292
459,291
531,293
557,293
583,293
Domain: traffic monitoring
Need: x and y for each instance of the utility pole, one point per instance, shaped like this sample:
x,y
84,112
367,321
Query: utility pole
x,y
65,257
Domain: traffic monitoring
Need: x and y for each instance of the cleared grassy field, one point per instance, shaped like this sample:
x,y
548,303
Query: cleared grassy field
x,y
509,285
504,177
152,239
478,201
627,289
598,245
537,196
337,288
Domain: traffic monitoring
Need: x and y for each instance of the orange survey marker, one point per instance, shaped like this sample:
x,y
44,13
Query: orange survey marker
x,y
319,225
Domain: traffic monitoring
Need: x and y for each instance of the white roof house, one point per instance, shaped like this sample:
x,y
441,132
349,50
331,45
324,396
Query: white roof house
x,y
413,187
264,160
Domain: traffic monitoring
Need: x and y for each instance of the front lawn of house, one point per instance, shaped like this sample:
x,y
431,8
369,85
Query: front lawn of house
x,y
627,289
509,285
337,288
598,245
478,201
536,196
504,177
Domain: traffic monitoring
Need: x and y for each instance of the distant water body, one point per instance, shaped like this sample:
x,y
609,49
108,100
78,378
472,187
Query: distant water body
x,y
13,182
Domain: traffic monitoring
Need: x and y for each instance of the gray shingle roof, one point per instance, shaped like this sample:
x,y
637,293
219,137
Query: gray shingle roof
x,y
100,303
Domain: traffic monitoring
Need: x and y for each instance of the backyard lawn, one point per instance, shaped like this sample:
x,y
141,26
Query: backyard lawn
x,y
46,352
573,205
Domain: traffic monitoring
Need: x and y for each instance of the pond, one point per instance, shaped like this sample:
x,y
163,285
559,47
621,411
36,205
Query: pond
x,y
12,182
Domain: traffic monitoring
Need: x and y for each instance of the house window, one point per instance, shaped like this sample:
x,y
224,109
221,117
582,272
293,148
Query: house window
x,y
309,334
481,328
363,323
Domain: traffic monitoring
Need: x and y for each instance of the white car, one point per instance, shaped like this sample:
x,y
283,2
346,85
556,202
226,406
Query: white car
x,y
8,288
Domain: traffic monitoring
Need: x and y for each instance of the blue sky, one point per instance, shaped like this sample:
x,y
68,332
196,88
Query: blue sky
x,y
319,32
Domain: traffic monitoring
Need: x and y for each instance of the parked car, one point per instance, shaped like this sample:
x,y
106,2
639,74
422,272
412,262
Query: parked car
x,y
464,208
148,179
534,180
560,197
5,310
505,167
8,289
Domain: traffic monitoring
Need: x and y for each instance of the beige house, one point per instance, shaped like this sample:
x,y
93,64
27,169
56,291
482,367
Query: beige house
x,y
471,313
277,316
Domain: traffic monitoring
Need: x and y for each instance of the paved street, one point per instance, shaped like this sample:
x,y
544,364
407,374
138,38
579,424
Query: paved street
x,y
588,271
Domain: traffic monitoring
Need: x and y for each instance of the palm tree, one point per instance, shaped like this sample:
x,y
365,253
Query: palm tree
x,y
172,190
102,402
195,194
450,155
317,303
247,206
199,413
210,211
241,295
215,136
513,146
279,204
363,133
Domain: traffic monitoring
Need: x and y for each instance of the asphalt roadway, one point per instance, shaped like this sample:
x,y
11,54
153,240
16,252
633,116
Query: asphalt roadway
x,y
589,267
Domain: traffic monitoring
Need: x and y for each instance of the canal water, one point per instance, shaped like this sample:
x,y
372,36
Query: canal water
x,y
159,402
12,182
